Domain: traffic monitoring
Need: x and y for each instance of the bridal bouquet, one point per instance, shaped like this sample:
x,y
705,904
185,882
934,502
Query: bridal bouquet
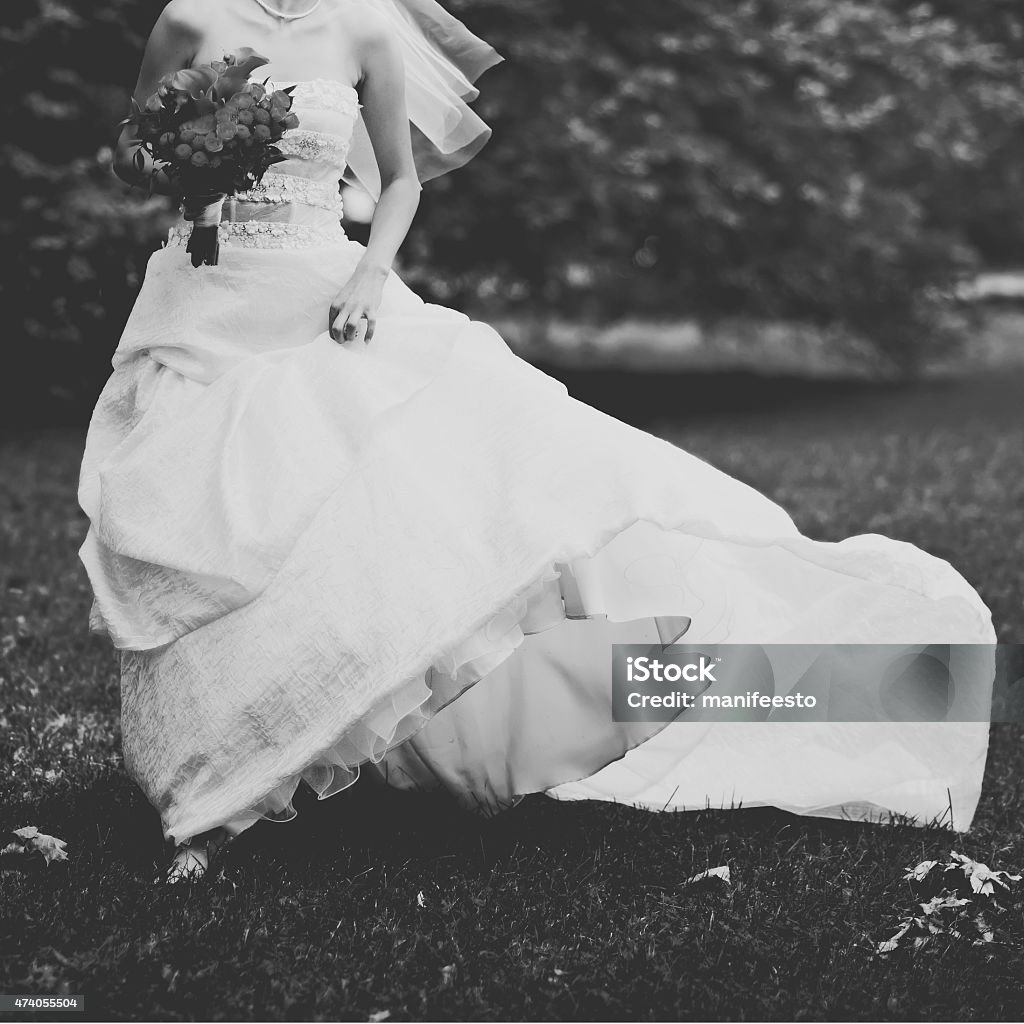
x,y
211,129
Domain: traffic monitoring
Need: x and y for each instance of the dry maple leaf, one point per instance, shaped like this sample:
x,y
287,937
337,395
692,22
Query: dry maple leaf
x,y
29,840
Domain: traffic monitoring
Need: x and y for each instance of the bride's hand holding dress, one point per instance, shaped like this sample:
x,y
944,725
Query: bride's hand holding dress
x,y
353,315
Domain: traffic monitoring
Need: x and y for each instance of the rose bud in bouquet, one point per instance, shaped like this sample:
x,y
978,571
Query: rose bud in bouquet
x,y
212,130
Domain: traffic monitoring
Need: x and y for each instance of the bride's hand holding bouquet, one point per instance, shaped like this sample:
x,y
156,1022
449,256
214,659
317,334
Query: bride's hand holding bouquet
x,y
212,131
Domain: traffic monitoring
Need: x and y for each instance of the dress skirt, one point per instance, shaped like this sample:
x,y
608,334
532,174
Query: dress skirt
x,y
414,556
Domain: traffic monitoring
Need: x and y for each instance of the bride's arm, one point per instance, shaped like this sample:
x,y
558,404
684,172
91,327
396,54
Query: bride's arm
x,y
172,45
382,93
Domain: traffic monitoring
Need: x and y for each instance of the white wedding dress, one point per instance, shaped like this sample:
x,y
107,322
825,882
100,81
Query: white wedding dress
x,y
414,555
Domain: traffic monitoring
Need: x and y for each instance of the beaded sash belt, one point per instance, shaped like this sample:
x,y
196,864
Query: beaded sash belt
x,y
261,234
286,188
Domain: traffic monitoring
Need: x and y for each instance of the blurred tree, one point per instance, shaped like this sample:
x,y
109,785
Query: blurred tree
x,y
799,158
987,205
828,160
65,76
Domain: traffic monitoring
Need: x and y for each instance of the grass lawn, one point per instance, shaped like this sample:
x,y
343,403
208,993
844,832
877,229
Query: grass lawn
x,y
377,903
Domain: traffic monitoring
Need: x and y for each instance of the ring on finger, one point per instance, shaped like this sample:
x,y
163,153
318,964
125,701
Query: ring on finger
x,y
353,326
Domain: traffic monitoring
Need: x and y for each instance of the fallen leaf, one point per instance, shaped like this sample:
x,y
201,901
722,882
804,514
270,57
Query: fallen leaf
x,y
920,871
890,944
981,876
29,840
939,903
721,874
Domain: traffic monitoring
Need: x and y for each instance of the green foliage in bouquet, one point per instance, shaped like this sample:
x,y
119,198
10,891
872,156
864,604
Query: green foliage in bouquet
x,y
211,129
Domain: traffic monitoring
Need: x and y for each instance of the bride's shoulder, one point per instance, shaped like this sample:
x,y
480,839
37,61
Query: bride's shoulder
x,y
185,17
362,22
363,33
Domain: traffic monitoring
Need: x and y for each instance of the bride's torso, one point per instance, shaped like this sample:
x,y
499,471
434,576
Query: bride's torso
x,y
269,300
299,201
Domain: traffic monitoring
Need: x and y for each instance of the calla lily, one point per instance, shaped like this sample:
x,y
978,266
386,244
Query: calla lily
x,y
194,81
241,64
247,60
231,82
204,105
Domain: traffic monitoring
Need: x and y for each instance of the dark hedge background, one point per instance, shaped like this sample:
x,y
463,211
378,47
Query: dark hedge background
x,y
831,161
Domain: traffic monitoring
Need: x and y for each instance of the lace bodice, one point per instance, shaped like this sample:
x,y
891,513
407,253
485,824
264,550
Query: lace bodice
x,y
318,148
299,202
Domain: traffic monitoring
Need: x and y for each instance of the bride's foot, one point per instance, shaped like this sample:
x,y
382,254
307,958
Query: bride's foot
x,y
192,859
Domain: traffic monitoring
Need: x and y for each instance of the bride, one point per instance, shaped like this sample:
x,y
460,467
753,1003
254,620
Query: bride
x,y
334,527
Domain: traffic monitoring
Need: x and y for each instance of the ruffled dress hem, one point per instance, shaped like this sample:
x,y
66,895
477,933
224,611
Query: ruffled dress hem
x,y
550,598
